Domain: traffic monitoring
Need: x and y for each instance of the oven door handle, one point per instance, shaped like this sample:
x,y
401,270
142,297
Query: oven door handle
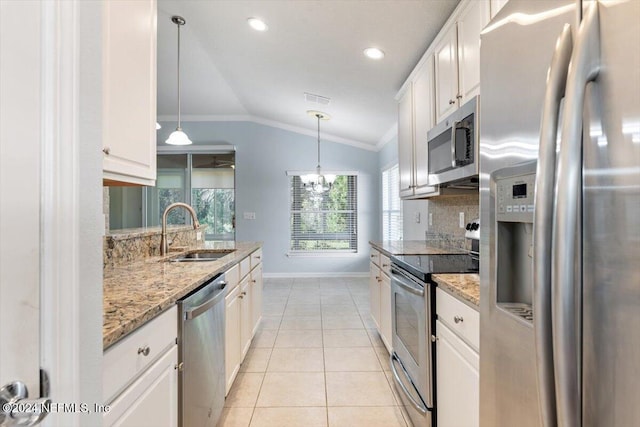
x,y
418,406
407,285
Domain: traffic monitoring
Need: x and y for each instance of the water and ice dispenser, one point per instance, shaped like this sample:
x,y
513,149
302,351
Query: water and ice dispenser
x,y
514,204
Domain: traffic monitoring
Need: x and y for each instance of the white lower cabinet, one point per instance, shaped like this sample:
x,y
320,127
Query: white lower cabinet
x,y
140,376
385,311
243,305
246,326
374,293
380,295
457,364
232,351
152,400
256,297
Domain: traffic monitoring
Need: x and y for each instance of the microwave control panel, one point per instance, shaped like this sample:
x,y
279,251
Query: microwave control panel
x,y
514,198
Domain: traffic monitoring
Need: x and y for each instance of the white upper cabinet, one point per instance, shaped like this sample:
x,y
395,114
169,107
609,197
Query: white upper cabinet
x,y
423,121
129,91
496,5
415,118
446,71
405,143
457,58
472,20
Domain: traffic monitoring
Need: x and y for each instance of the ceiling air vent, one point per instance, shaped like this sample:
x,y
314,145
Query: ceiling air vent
x,y
316,99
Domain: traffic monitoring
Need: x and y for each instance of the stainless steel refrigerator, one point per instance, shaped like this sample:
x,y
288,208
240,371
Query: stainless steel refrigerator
x,y
560,214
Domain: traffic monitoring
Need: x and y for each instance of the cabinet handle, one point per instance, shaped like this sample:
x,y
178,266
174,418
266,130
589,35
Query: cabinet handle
x,y
240,296
179,366
378,278
253,281
459,96
258,257
243,293
434,338
144,350
106,150
452,101
385,265
458,319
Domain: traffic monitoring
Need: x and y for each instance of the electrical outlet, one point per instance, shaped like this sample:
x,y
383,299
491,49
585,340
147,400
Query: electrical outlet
x,y
199,235
249,215
417,216
430,219
462,223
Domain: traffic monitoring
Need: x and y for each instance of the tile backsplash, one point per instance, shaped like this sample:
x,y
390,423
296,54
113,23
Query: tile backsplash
x,y
445,213
126,246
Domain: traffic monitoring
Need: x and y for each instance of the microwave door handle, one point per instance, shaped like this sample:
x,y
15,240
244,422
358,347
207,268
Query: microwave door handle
x,y
566,280
454,127
543,217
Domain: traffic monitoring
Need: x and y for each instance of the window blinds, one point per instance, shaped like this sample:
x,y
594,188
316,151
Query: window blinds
x,y
324,222
391,205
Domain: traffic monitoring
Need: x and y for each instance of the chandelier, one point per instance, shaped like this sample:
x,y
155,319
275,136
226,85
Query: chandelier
x,y
318,182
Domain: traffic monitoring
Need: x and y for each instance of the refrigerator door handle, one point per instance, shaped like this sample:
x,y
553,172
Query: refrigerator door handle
x,y
542,230
567,225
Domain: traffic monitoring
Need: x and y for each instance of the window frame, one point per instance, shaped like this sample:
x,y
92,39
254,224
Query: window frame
x,y
325,252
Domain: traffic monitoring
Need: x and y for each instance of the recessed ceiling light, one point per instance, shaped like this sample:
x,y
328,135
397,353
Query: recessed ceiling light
x,y
257,24
373,53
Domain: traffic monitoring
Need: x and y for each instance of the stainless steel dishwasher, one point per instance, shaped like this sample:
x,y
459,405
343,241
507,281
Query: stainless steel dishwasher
x,y
201,383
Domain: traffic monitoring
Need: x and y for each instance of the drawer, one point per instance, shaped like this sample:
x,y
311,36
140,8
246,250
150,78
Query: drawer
x,y
467,327
245,267
256,258
232,276
385,264
374,256
125,361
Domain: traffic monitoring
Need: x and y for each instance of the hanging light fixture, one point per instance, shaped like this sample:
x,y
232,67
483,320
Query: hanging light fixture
x,y
318,182
178,137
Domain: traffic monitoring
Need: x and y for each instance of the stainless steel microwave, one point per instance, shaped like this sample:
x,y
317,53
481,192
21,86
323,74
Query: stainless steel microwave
x,y
453,148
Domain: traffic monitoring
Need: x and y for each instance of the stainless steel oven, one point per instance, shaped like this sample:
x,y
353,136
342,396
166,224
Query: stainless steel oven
x,y
453,148
412,355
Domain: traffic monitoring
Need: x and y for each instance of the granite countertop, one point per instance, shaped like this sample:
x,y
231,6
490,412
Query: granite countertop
x,y
138,292
413,247
465,287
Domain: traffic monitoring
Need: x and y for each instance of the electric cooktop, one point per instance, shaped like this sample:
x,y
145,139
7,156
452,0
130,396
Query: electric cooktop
x,y
423,266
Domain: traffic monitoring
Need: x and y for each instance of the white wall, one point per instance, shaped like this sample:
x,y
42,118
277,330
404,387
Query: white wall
x,y
263,155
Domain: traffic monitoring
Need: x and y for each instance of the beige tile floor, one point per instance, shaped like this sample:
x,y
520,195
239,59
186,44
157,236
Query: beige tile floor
x,y
316,360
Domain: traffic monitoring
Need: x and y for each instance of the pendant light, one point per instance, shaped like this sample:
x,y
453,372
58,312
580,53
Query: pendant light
x,y
178,137
318,182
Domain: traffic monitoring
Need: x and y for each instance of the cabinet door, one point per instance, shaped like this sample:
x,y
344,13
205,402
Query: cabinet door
x,y
446,74
471,21
423,121
458,380
246,326
496,5
256,298
374,293
405,143
385,310
129,80
152,400
232,350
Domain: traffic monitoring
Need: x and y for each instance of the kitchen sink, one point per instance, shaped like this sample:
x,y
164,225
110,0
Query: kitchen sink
x,y
200,256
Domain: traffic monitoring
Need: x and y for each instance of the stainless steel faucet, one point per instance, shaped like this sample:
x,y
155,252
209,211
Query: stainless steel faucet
x,y
164,245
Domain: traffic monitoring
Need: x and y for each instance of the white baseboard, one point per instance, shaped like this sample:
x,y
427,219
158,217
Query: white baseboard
x,y
312,275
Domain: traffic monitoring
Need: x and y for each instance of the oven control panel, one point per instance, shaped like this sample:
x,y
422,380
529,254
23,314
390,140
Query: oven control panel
x,y
514,198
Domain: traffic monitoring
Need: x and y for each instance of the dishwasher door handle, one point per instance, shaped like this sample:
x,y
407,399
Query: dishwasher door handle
x,y
197,311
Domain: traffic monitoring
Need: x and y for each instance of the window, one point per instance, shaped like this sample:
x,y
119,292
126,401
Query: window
x,y
391,205
204,181
324,222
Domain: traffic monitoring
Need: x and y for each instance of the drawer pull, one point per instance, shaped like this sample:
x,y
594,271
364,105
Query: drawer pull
x,y
253,280
258,257
144,350
385,265
179,366
458,319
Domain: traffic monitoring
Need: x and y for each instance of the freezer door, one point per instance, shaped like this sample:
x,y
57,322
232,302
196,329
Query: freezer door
x,y
515,54
611,224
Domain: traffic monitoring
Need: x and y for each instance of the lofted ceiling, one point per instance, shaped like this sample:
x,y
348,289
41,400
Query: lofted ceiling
x,y
232,72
